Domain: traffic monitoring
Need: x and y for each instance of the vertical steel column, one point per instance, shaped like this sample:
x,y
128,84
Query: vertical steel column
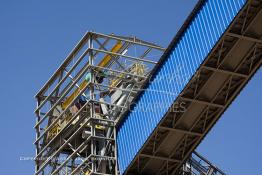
x,y
115,147
92,97
37,135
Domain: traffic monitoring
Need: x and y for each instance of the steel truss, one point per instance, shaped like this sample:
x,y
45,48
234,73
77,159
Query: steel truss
x,y
78,107
232,62
198,165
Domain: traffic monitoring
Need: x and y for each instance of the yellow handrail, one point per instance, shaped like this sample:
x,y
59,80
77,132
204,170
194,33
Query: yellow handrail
x,y
106,60
74,94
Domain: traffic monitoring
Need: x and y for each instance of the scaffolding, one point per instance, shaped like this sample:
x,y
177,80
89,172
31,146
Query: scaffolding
x,y
79,106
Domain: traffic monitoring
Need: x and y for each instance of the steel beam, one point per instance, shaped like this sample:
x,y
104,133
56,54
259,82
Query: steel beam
x,y
126,56
243,37
159,158
188,132
224,71
202,102
140,42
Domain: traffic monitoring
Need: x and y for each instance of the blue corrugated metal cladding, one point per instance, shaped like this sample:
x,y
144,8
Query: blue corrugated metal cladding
x,y
198,39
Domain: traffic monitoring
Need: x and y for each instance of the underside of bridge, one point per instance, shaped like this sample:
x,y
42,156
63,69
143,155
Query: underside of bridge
x,y
217,82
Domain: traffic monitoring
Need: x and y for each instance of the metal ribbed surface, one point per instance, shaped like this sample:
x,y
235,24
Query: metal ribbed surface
x,y
179,66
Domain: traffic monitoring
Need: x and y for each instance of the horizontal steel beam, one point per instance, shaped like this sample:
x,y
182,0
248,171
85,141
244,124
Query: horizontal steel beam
x,y
142,43
96,173
181,131
97,120
243,37
102,138
109,104
111,87
126,56
224,71
120,72
202,102
160,158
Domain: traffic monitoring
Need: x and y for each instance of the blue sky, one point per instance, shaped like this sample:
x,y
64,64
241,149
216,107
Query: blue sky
x,y
35,37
